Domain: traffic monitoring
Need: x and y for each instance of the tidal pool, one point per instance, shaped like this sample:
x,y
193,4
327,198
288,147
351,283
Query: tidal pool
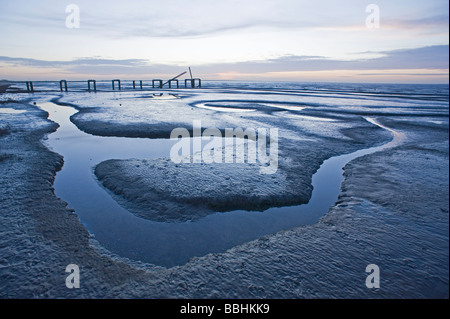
x,y
170,244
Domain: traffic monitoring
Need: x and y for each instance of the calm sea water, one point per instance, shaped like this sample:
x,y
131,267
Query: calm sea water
x,y
431,91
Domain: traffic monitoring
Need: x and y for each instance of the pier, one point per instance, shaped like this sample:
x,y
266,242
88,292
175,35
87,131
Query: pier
x,y
92,85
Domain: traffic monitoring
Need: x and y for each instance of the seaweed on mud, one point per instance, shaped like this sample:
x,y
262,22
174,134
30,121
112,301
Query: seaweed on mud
x,y
5,130
6,156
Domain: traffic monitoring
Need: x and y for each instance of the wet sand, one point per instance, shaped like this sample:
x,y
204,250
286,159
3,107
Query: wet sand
x,y
393,211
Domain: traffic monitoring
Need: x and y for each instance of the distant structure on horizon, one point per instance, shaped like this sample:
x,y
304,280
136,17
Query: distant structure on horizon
x,y
117,83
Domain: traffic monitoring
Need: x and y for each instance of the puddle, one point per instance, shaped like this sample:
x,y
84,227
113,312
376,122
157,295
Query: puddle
x,y
236,109
170,244
7,110
286,106
308,117
223,108
162,96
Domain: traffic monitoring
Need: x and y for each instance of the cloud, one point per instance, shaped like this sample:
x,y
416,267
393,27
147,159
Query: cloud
x,y
432,57
91,62
428,26
436,21
180,18
93,65
169,18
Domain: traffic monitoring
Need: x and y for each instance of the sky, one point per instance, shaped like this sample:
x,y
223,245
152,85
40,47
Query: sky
x,y
284,40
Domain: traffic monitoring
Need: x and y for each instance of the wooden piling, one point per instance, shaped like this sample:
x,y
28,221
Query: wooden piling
x,y
159,81
118,81
193,82
61,85
89,85
173,80
30,87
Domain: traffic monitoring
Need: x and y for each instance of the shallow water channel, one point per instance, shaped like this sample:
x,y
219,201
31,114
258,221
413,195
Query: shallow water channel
x,y
161,243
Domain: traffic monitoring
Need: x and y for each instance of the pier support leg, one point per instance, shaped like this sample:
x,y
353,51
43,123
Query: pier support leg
x,y
118,82
89,85
192,83
29,86
157,81
61,85
170,83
